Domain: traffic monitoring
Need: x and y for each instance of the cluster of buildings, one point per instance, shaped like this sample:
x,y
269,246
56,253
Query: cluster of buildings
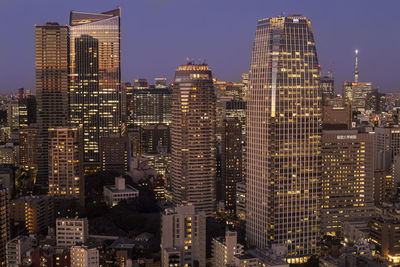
x,y
279,152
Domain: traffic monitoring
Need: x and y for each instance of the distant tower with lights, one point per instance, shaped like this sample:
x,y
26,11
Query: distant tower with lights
x,y
356,68
355,93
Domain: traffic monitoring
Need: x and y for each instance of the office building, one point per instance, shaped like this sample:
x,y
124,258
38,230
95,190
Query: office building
x,y
119,191
114,151
51,61
95,79
18,251
65,162
70,232
284,138
348,178
84,256
193,138
4,224
28,148
13,114
154,138
148,105
231,161
183,236
334,117
36,213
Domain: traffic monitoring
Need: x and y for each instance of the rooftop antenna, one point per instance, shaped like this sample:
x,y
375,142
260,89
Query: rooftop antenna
x,y
356,68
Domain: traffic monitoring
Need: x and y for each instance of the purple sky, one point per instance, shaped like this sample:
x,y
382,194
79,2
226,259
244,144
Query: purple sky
x,y
157,35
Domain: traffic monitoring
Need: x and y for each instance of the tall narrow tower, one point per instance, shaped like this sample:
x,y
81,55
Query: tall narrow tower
x,y
284,138
356,68
95,79
193,138
51,61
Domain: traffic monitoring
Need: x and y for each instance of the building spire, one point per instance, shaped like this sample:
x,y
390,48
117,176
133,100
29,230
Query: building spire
x,y
356,68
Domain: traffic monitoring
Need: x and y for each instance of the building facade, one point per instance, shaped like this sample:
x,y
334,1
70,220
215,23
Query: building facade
x,y
183,234
114,151
348,178
70,232
193,138
95,79
231,161
65,162
51,61
35,212
4,224
84,256
284,138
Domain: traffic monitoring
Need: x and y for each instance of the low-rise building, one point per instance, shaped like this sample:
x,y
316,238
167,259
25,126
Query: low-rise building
x,y
120,191
84,256
17,251
225,248
70,232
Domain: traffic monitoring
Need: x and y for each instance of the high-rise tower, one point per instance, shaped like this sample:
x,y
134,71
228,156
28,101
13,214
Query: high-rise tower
x,y
193,137
51,61
95,79
284,138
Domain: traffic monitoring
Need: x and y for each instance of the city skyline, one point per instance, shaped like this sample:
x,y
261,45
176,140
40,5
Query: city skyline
x,y
149,50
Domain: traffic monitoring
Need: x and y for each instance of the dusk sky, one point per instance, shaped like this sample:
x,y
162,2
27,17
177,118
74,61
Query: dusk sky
x,y
158,35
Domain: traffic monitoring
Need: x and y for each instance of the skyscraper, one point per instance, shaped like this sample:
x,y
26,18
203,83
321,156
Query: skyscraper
x,y
193,137
231,161
284,138
95,79
51,60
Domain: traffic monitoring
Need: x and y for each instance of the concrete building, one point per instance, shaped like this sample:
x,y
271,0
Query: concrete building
x,y
385,234
114,151
154,138
347,179
119,191
183,236
65,162
8,154
84,256
283,150
337,117
4,224
71,232
35,212
51,58
193,166
224,249
355,229
18,251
